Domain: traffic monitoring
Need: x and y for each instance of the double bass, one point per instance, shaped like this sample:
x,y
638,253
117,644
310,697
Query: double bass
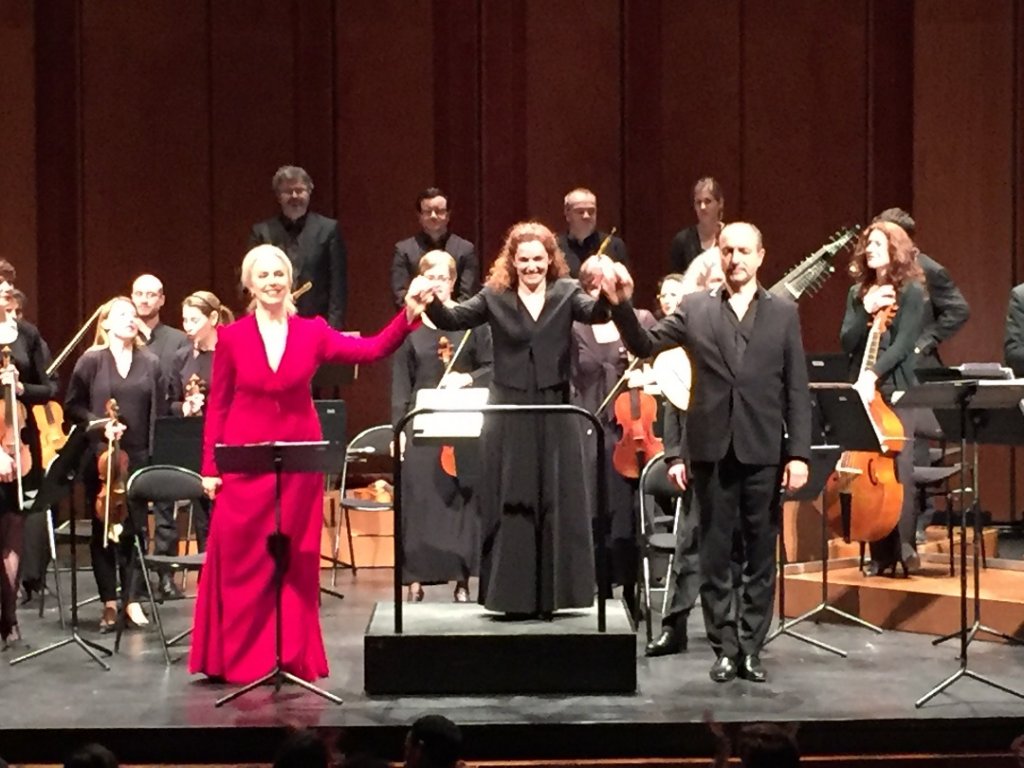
x,y
863,498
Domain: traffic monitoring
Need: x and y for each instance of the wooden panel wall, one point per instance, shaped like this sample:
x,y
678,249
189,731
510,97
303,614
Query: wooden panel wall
x,y
154,130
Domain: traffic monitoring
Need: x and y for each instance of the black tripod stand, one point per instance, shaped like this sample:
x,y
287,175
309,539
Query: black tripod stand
x,y
994,403
316,457
842,423
57,484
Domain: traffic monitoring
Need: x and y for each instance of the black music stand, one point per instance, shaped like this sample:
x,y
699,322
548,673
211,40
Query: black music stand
x,y
844,424
57,483
178,441
987,403
259,459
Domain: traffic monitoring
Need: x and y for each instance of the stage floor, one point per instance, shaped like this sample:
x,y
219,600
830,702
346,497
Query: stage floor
x,y
150,713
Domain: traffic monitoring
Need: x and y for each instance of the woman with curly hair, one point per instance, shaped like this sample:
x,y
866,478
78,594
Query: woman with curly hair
x,y
536,542
887,274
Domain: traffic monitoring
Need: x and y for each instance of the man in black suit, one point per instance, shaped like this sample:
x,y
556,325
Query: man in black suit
x,y
434,213
748,433
1013,343
164,342
583,238
312,242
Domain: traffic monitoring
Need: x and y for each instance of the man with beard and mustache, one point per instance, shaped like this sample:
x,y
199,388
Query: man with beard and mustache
x,y
748,434
313,243
164,342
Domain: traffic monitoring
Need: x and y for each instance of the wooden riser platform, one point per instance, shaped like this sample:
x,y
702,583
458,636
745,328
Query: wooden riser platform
x,y
927,603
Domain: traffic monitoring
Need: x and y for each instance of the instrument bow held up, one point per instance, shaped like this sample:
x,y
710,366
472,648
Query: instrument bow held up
x,y
863,498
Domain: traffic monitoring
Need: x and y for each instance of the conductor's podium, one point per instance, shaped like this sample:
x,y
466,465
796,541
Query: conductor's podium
x,y
461,648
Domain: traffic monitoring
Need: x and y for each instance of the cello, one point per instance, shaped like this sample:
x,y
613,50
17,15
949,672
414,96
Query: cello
x,y
863,498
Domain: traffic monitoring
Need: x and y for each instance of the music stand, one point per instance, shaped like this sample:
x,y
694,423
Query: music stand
x,y
57,483
259,459
178,441
981,399
844,425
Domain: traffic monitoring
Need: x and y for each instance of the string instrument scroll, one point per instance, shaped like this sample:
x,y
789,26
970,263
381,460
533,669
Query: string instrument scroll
x,y
112,501
863,498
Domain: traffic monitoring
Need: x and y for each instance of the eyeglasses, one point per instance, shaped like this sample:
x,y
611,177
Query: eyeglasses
x,y
439,212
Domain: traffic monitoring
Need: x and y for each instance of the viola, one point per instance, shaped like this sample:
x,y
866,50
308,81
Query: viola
x,y
13,423
112,465
445,353
863,498
635,412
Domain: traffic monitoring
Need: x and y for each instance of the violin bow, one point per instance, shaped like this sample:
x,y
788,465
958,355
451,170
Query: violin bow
x,y
458,349
618,385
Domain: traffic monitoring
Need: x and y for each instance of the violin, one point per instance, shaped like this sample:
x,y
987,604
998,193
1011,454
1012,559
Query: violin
x,y
14,415
446,353
111,501
863,498
635,412
195,386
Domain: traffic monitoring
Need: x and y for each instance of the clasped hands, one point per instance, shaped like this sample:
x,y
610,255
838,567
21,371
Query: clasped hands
x,y
418,296
615,281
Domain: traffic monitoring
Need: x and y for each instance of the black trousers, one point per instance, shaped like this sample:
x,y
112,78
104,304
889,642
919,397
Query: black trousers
x,y
737,498
111,557
684,580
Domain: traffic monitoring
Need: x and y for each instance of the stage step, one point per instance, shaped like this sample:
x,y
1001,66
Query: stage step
x,y
927,602
453,648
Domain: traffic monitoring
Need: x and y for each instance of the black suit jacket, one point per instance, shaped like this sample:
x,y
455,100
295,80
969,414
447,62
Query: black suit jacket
x,y
405,264
762,406
517,338
317,252
1013,342
948,309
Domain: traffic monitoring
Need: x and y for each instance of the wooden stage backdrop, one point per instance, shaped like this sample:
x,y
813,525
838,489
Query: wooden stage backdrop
x,y
143,136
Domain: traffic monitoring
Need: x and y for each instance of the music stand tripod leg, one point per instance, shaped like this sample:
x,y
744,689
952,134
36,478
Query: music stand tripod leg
x,y
277,545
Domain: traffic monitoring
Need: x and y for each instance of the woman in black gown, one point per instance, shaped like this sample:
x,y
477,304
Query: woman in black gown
x,y
117,367
441,535
887,273
537,551
27,376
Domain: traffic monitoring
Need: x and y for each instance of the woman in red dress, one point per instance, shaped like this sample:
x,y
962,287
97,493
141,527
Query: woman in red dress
x,y
260,391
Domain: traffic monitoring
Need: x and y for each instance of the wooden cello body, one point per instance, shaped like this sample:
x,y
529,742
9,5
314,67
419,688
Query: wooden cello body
x,y
863,497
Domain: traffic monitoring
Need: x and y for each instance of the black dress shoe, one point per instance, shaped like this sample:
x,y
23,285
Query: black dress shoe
x,y
751,669
723,670
169,590
670,641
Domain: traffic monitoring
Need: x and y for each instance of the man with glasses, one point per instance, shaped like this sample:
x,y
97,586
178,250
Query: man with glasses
x,y
434,214
313,244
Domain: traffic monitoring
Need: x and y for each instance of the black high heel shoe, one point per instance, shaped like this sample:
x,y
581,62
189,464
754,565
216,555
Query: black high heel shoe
x,y
461,593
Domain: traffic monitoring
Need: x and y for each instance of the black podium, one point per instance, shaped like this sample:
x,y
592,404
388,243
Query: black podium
x,y
975,412
840,423
318,457
57,483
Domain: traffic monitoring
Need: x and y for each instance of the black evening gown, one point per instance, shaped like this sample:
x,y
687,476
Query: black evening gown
x,y
440,531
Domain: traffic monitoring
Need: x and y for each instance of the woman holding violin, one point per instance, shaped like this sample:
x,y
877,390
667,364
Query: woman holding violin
x,y
537,552
889,282
25,383
602,375
201,315
117,377
441,541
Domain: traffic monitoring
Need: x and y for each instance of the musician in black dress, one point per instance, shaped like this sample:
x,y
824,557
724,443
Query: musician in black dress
x,y
27,376
117,367
201,314
886,271
536,544
709,205
441,533
599,361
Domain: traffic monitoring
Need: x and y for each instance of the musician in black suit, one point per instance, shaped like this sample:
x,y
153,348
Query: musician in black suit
x,y
1013,343
748,434
434,213
583,237
313,244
